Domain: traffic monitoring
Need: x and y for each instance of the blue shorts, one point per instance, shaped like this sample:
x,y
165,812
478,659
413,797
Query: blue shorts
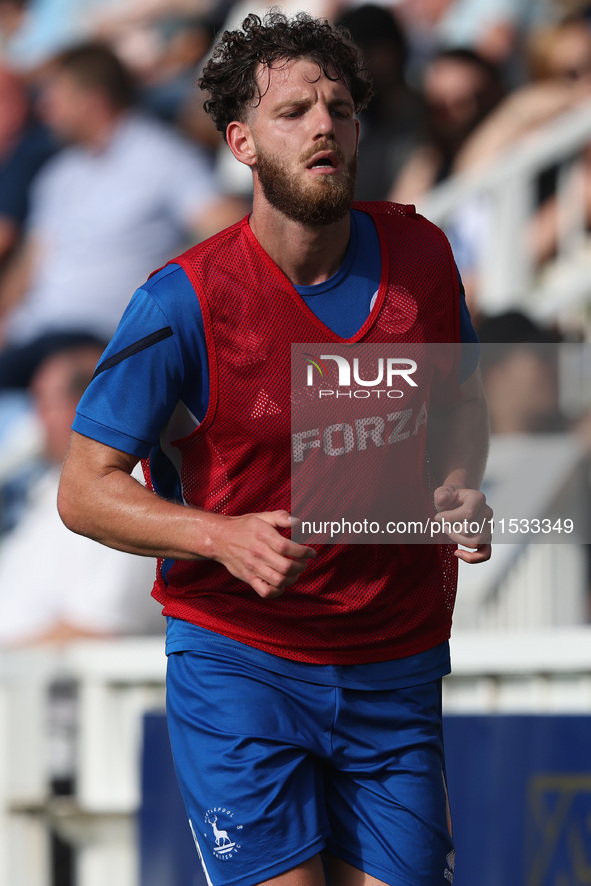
x,y
274,770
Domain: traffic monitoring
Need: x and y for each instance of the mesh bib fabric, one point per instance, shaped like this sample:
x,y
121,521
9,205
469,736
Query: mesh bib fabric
x,y
354,603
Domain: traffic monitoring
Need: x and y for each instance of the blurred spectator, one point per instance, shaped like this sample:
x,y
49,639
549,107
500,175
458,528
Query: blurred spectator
x,y
54,585
124,197
57,587
518,360
460,89
139,30
559,59
191,118
560,9
392,123
12,13
25,145
560,51
33,31
165,42
169,85
111,18
492,28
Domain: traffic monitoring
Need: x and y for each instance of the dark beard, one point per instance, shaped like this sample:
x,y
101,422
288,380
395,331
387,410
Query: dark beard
x,y
325,202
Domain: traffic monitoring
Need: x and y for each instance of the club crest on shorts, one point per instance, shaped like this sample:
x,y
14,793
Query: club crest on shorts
x,y
451,863
222,832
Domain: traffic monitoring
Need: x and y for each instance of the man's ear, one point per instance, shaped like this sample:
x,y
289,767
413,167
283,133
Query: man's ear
x,y
240,142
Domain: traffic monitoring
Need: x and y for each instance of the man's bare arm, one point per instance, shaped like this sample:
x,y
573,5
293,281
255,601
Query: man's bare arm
x,y
99,498
462,449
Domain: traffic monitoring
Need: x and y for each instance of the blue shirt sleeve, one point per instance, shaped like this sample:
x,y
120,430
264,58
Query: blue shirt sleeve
x,y
156,359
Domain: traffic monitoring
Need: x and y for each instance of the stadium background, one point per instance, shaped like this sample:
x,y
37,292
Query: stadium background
x,y
482,116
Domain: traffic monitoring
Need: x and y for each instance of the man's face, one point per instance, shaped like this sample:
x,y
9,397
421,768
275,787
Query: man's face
x,y
65,106
305,137
56,388
454,91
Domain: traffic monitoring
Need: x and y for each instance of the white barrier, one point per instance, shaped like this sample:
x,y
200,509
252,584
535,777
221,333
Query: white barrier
x,y
115,683
520,672
118,681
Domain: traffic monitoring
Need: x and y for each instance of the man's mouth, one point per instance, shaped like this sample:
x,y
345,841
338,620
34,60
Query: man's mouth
x,y
325,160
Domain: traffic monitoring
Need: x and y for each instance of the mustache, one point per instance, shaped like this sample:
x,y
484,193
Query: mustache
x,y
326,145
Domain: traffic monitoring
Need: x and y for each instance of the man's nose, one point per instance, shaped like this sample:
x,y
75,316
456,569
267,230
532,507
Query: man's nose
x,y
323,121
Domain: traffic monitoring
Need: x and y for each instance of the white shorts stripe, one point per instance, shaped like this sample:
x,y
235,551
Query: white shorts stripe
x,y
198,847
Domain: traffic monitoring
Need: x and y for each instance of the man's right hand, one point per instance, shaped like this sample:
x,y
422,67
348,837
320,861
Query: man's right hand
x,y
253,550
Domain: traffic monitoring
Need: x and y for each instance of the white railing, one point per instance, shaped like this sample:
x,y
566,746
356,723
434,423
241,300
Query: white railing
x,y
525,672
506,190
118,681
535,585
115,683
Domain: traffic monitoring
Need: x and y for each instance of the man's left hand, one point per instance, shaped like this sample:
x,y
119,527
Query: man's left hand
x,y
466,519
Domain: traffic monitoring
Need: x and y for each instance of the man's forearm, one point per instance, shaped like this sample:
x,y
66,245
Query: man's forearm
x,y
459,459
460,440
99,498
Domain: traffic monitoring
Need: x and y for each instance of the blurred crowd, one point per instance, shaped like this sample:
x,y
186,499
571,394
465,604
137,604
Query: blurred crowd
x,y
109,167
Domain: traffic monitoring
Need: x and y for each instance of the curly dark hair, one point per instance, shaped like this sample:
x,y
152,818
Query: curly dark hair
x,y
230,75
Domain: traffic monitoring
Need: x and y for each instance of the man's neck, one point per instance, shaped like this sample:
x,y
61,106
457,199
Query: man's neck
x,y
307,255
